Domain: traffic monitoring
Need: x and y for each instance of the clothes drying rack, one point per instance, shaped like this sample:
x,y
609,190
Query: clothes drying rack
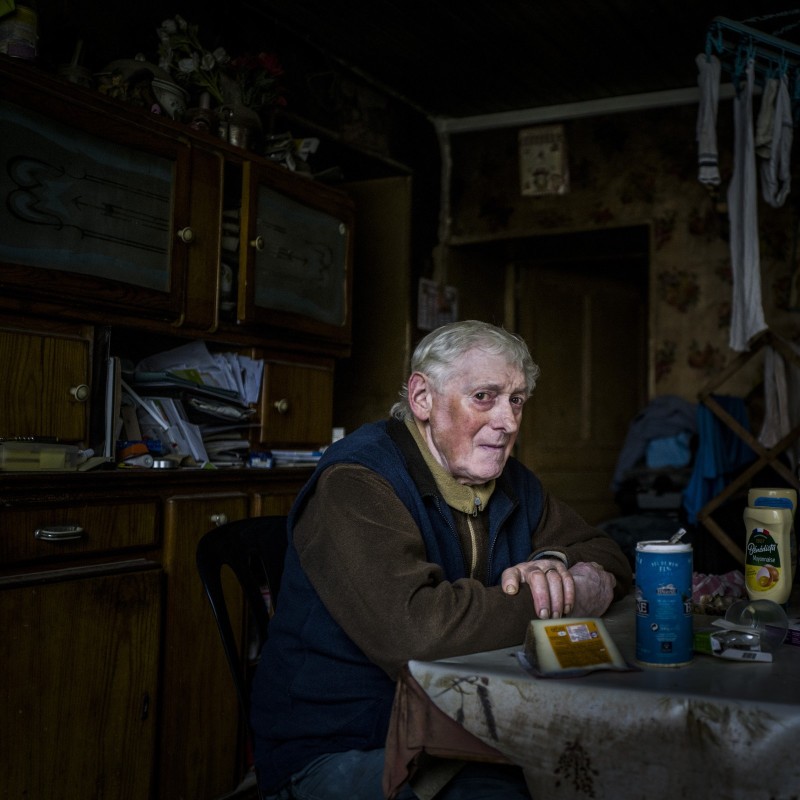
x,y
765,455
736,42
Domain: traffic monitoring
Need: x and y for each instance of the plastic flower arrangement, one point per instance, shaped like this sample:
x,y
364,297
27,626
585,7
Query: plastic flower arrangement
x,y
257,77
181,53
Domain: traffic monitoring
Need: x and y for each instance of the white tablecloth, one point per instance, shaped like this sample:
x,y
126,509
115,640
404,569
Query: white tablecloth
x,y
716,728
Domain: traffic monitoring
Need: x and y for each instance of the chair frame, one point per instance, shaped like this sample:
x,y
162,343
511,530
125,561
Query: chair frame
x,y
253,549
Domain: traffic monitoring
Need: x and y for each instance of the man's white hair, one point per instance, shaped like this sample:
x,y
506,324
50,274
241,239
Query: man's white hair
x,y
438,353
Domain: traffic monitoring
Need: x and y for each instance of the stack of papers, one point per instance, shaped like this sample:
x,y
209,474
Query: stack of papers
x,y
225,376
193,404
226,450
295,458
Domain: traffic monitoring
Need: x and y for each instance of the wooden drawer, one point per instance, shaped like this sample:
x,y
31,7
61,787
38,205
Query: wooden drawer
x,y
29,533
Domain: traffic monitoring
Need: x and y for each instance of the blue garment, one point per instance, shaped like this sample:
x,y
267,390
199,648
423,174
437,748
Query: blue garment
x,y
666,415
315,691
720,454
669,451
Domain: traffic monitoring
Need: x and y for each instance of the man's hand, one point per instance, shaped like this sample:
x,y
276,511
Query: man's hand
x,y
584,590
551,584
594,589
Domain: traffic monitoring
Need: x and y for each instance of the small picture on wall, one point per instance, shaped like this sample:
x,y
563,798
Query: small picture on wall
x,y
543,167
437,304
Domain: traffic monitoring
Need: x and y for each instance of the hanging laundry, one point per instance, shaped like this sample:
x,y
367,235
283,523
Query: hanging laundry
x,y
776,400
766,119
775,166
747,313
720,454
781,403
708,72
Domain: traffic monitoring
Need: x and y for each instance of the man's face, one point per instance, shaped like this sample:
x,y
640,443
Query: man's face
x,y
473,422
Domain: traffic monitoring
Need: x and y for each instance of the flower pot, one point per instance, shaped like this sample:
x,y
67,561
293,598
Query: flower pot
x,y
239,126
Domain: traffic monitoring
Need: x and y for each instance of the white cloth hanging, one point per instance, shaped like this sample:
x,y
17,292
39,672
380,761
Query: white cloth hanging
x,y
747,314
766,119
781,400
775,168
708,72
776,400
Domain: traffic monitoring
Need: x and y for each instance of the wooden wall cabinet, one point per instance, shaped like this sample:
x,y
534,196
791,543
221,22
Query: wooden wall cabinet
x,y
115,681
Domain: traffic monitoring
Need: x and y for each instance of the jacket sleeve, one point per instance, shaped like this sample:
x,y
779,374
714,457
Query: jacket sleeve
x,y
562,530
365,557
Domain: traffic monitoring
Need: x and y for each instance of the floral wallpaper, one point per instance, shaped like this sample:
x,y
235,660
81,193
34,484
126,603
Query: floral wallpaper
x,y
640,168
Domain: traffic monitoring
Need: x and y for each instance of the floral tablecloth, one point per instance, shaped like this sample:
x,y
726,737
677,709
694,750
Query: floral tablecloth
x,y
728,728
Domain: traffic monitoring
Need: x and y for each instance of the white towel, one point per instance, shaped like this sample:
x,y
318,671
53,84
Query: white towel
x,y
776,174
708,72
747,314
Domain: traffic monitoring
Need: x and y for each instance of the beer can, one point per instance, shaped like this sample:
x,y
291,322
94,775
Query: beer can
x,y
664,630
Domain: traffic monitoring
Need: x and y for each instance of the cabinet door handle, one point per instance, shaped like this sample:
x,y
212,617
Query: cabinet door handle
x,y
219,519
80,392
281,406
59,533
258,243
186,235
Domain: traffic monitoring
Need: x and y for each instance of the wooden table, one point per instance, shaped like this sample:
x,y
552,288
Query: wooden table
x,y
731,729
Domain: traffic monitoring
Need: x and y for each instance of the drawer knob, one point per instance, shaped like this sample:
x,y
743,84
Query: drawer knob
x,y
281,406
80,392
186,235
258,243
218,519
58,533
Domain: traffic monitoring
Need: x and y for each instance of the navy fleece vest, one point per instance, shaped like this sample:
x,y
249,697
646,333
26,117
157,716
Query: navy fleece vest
x,y
315,692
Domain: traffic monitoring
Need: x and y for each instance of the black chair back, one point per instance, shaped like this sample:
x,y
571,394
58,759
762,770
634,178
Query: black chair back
x,y
254,550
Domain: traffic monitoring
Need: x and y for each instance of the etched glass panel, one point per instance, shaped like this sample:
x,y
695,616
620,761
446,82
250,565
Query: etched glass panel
x,y
78,203
302,267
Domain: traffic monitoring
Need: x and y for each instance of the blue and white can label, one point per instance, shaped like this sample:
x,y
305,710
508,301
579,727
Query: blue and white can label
x,y
664,630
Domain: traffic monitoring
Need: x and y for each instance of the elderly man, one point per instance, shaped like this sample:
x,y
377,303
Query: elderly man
x,y
417,537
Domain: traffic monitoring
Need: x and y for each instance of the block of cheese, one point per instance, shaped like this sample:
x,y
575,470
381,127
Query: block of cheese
x,y
571,645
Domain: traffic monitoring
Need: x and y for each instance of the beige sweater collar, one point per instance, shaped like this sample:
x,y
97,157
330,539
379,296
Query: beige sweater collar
x,y
469,499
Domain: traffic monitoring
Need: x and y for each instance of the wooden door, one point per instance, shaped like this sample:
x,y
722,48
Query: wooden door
x,y
79,702
46,385
200,722
296,404
587,331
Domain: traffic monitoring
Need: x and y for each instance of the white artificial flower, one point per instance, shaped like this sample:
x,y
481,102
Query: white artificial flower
x,y
188,65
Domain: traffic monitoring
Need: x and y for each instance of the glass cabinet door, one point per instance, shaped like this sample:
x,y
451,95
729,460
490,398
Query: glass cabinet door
x,y
95,199
295,254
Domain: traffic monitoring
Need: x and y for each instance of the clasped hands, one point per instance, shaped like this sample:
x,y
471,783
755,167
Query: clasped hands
x,y
583,590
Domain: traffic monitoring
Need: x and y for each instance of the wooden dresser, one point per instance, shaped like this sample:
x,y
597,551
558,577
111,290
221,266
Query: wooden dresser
x,y
124,233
